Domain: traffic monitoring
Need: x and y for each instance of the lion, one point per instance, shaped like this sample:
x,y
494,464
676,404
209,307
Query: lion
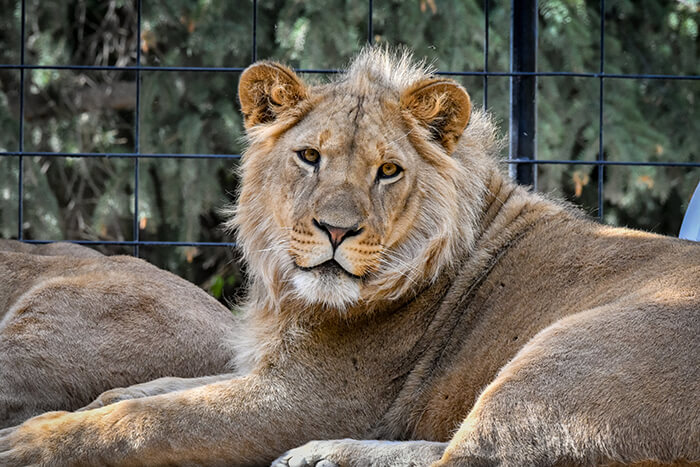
x,y
75,323
409,304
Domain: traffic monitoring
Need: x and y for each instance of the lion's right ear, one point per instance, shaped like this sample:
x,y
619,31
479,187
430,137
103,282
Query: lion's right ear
x,y
441,105
267,89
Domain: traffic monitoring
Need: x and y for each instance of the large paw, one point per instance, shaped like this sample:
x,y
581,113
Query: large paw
x,y
30,443
314,453
115,395
359,453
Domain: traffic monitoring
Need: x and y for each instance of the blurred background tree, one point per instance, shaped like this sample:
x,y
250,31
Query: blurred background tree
x,y
196,112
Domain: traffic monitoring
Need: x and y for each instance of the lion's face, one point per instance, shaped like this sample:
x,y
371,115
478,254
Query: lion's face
x,y
349,197
337,196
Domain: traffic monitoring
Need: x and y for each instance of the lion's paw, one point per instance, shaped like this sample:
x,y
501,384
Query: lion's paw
x,y
362,453
29,443
113,396
314,454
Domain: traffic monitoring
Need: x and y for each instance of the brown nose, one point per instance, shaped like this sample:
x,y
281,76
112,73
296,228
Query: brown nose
x,y
337,234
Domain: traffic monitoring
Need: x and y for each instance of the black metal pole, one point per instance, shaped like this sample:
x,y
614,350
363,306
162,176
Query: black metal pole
x,y
523,89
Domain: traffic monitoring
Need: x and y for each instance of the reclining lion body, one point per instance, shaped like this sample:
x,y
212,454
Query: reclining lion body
x,y
75,323
403,288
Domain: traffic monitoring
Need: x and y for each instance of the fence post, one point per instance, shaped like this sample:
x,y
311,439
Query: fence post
x,y
523,89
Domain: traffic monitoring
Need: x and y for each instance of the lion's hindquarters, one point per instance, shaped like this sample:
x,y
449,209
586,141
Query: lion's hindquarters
x,y
603,385
68,339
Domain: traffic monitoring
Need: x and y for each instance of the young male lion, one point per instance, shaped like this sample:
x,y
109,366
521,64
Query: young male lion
x,y
403,288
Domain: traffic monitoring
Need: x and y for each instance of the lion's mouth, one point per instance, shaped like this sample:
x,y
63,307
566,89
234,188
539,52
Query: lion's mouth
x,y
330,268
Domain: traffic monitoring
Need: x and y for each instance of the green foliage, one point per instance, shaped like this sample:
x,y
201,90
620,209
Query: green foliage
x,y
196,112
218,283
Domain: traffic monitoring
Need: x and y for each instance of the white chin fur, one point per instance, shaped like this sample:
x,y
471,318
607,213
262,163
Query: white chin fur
x,y
335,291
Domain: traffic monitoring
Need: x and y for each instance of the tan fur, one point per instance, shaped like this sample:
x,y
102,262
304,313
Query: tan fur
x,y
487,323
74,323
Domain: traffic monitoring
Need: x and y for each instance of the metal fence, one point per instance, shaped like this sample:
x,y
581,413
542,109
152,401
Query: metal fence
x,y
523,76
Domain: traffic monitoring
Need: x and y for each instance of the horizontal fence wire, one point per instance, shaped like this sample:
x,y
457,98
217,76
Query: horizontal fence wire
x,y
131,155
133,243
600,162
213,69
120,155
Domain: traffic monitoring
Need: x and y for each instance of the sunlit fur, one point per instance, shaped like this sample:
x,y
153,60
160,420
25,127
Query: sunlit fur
x,y
332,290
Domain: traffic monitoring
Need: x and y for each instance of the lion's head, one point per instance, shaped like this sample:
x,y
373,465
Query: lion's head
x,y
358,190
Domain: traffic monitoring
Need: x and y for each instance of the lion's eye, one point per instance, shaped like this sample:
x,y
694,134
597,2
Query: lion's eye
x,y
389,170
310,156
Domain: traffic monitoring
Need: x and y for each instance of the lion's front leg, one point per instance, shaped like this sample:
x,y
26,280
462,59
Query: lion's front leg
x,y
361,453
244,421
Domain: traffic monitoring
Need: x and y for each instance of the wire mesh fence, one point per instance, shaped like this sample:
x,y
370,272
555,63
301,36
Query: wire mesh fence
x,y
525,84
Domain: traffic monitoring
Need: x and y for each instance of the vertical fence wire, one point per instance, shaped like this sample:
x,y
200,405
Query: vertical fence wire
x,y
137,137
370,28
20,180
601,155
254,54
486,54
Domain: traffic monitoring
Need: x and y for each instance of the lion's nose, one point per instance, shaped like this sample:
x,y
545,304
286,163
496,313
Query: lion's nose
x,y
337,234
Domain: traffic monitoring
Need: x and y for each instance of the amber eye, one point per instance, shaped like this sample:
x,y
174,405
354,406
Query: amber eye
x,y
310,156
389,170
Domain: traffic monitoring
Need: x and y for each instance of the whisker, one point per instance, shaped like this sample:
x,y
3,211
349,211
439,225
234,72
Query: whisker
x,y
404,136
388,260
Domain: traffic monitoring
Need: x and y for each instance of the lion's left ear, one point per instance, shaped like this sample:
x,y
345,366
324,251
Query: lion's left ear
x,y
442,105
266,89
